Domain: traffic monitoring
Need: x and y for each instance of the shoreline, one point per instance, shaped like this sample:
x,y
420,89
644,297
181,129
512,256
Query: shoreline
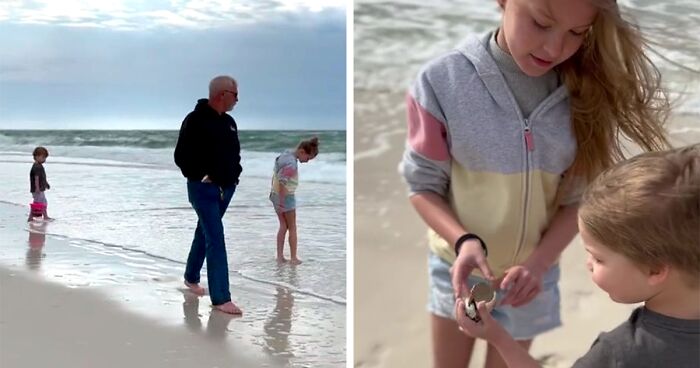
x,y
66,289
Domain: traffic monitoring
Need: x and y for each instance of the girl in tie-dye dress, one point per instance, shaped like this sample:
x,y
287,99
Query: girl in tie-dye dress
x,y
285,178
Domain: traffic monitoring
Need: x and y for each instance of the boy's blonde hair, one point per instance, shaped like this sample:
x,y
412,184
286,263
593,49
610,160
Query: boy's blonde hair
x,y
648,209
614,89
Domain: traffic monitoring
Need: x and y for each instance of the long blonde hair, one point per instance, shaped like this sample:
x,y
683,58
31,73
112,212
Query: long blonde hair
x,y
615,89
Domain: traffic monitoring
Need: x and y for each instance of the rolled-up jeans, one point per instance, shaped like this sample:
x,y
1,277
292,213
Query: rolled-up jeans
x,y
209,202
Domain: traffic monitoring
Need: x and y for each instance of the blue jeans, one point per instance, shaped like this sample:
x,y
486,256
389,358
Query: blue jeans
x,y
210,203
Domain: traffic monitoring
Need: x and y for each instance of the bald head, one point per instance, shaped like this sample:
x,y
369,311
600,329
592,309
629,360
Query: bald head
x,y
220,84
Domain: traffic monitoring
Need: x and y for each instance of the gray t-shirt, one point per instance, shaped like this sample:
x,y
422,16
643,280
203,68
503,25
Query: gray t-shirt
x,y
528,91
647,339
38,171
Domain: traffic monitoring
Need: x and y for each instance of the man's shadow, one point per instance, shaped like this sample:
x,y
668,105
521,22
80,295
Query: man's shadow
x,y
36,242
279,324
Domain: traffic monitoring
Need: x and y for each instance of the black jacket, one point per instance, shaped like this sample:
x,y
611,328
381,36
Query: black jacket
x,y
208,145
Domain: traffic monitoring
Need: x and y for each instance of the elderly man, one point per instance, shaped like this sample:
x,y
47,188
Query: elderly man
x,y
208,153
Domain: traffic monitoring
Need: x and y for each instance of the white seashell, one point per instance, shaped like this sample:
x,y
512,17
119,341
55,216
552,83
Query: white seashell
x,y
479,292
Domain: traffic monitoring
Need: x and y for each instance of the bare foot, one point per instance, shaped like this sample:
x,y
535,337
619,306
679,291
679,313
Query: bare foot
x,y
195,288
229,308
281,260
295,261
47,218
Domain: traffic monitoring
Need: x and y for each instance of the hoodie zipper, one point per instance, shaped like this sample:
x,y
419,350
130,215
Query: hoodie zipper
x,y
529,147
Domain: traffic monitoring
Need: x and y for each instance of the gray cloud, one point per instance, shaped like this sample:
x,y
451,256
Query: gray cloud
x,y
192,14
291,71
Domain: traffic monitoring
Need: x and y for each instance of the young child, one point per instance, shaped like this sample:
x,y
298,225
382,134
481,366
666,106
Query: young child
x,y
503,133
285,178
38,183
640,224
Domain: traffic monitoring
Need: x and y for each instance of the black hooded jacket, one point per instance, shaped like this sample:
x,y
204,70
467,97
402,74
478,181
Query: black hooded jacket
x,y
208,145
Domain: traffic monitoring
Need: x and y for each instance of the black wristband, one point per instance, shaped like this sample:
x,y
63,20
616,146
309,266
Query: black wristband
x,y
469,236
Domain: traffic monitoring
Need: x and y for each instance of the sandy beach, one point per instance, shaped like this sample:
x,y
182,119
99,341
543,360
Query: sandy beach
x,y
49,325
391,323
71,303
124,229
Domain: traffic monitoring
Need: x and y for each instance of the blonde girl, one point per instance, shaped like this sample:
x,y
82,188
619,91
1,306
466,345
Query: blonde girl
x,y
503,134
285,178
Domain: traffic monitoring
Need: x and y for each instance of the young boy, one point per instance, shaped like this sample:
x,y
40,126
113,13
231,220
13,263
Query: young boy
x,y
640,224
37,181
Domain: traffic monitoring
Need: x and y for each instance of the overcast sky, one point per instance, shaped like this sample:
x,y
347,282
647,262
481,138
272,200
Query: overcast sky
x,y
120,64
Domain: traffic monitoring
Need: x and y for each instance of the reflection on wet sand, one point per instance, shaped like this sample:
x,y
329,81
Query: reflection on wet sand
x,y
190,307
279,324
217,323
37,239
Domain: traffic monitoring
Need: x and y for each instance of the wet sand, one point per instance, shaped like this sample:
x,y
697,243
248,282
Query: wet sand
x,y
71,303
49,325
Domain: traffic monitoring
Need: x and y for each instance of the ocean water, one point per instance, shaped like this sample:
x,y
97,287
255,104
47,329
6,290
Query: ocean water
x,y
119,195
393,39
121,188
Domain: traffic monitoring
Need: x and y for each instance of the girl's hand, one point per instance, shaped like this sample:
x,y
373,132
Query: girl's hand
x,y
471,256
523,284
487,329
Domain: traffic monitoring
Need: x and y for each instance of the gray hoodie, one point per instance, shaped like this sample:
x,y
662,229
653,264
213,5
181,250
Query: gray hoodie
x,y
469,142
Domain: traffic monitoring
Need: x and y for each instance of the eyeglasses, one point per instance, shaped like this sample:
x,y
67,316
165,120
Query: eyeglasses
x,y
235,94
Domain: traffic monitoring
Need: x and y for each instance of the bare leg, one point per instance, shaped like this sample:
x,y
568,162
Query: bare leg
x,y
291,217
493,358
280,237
451,347
229,308
45,213
195,288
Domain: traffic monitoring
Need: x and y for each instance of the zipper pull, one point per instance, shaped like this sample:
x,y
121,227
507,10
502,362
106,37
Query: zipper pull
x,y
529,141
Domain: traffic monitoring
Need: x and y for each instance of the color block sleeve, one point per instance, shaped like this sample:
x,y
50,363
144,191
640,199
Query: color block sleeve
x,y
426,160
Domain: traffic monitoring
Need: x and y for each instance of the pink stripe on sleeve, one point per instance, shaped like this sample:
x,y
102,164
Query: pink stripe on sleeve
x,y
426,135
288,172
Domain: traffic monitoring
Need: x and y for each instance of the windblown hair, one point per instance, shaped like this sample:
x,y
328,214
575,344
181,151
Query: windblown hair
x,y
648,209
310,146
615,89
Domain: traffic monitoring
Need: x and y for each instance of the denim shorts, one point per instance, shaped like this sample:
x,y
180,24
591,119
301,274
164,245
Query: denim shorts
x,y
39,197
523,323
289,202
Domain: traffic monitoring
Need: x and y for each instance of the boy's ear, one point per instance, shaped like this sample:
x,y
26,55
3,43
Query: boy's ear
x,y
658,274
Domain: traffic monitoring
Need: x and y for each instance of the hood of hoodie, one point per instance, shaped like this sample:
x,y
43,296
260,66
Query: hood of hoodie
x,y
203,106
